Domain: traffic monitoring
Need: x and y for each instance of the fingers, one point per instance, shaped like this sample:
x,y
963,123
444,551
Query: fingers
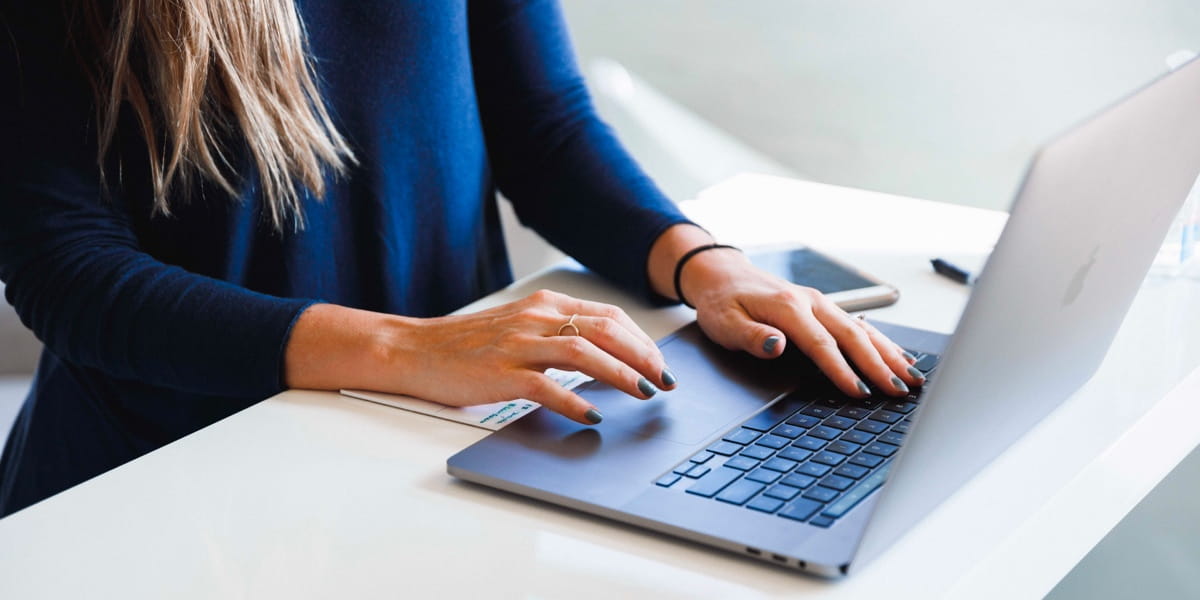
x,y
854,341
599,309
814,340
620,343
545,391
897,359
577,353
611,329
735,330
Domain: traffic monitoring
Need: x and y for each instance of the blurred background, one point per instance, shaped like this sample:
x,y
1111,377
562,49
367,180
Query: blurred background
x,y
937,99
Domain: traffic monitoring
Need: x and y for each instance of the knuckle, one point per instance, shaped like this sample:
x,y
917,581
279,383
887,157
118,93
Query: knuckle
x,y
823,341
542,296
606,329
783,296
533,386
574,348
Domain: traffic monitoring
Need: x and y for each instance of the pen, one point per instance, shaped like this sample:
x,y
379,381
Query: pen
x,y
950,271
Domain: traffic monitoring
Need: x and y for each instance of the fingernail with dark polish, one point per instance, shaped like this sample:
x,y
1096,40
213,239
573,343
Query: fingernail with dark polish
x,y
909,357
668,378
863,389
899,385
593,416
770,344
916,373
646,387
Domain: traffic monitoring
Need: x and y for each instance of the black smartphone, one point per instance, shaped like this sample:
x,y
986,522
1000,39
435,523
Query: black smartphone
x,y
851,288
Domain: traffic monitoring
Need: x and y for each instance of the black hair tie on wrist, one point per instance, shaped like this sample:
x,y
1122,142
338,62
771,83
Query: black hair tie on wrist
x,y
688,256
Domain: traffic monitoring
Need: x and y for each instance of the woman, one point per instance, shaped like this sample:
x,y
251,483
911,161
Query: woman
x,y
207,201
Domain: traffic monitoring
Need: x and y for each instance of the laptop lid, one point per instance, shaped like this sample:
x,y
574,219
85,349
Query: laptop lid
x,y
1094,209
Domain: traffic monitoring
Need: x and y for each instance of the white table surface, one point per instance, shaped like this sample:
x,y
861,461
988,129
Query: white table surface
x,y
311,494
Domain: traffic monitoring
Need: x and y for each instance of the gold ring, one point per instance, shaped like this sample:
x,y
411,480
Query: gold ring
x,y
570,323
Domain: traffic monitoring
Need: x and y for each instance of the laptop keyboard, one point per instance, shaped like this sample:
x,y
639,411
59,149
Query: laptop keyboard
x,y
811,456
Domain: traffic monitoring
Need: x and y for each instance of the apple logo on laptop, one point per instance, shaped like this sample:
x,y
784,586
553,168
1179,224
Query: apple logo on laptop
x,y
1076,285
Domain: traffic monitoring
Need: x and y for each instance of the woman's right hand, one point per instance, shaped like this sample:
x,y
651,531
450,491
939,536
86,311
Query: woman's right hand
x,y
490,356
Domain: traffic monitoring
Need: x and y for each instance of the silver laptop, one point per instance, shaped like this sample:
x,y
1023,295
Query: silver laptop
x,y
765,458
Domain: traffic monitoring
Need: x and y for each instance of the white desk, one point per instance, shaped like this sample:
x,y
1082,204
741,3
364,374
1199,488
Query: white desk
x,y
315,495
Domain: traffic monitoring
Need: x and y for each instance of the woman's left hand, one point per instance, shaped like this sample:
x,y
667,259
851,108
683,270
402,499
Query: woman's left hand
x,y
743,307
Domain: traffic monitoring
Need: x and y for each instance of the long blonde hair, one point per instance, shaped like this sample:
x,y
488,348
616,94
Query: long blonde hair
x,y
198,73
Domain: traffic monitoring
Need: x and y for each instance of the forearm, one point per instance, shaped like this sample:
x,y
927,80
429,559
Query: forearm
x,y
333,347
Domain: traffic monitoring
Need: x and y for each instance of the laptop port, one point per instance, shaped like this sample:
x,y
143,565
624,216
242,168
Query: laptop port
x,y
754,551
779,558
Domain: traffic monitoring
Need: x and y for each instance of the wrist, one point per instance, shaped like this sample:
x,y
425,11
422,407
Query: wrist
x,y
710,272
666,252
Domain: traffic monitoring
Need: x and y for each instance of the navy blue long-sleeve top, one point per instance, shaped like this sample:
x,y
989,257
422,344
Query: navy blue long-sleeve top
x,y
156,326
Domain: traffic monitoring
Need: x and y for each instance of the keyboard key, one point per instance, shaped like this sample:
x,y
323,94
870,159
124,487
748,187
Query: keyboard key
x,y
838,422
742,436
870,403
854,412
849,470
869,427
800,509
740,491
714,482
773,441
892,437
794,453
900,406
765,504
757,452
724,448
763,476
683,468
901,428
809,443
858,437
843,447
697,472
821,521
832,459
814,469
741,463
886,416
816,410
782,492
782,465
837,482
927,362
825,433
856,494
788,431
773,415
805,421
702,457
869,461
881,449
820,494
667,480
798,480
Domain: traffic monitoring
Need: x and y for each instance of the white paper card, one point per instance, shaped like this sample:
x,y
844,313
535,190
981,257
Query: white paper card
x,y
487,416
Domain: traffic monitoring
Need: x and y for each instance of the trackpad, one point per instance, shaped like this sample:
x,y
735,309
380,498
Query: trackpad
x,y
717,387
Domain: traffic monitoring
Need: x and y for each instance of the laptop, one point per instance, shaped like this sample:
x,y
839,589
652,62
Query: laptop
x,y
767,459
